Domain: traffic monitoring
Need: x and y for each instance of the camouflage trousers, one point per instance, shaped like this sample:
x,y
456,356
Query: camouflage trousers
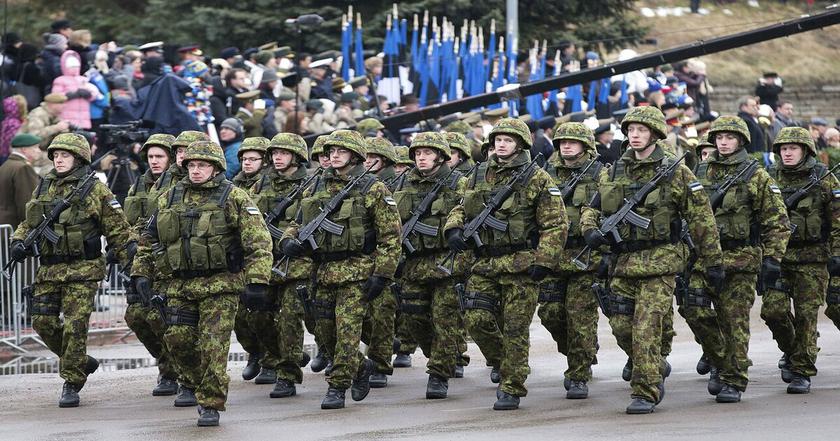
x,y
572,320
641,335
796,333
148,326
704,324
733,306
341,311
403,333
378,331
67,338
288,329
503,335
255,332
431,312
201,351
832,309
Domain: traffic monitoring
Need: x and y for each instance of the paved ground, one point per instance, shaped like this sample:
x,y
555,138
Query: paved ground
x,y
118,404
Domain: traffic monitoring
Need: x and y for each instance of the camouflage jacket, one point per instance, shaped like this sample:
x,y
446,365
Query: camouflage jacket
x,y
688,202
823,220
241,214
542,197
100,206
246,181
379,207
169,178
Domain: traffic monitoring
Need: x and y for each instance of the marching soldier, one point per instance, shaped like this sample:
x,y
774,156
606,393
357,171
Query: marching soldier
x,y
72,265
322,360
460,148
176,171
211,241
501,292
815,242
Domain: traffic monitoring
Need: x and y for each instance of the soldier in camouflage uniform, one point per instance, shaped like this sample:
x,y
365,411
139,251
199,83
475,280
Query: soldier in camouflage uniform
x,y
460,159
72,267
472,144
370,128
353,268
814,243
279,322
429,304
378,328
210,239
644,264
140,316
322,360
568,310
832,300
501,292
403,161
754,231
317,155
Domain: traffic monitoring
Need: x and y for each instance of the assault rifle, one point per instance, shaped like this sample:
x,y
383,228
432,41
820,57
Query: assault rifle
x,y
570,185
286,201
743,174
485,218
796,197
625,214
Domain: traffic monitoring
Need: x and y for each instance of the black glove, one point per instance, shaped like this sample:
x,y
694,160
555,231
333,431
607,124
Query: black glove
x,y
771,270
834,266
400,267
603,270
594,238
373,287
19,251
143,288
715,275
83,93
255,297
72,95
292,247
130,252
538,272
455,239
111,256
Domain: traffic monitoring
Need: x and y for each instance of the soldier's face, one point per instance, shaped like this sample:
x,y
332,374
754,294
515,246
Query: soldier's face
x,y
638,135
374,160
158,160
282,159
399,168
426,159
791,154
505,145
200,171
340,157
179,155
727,142
251,162
454,159
704,154
324,161
63,161
570,148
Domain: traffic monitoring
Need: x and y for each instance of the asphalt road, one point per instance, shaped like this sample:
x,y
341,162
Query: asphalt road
x,y
118,405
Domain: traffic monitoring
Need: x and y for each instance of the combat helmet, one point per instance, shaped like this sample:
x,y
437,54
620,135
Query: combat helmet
x,y
347,139
253,144
575,131
795,135
381,147
649,116
318,147
162,140
74,143
458,127
368,124
513,127
402,155
188,137
291,142
432,140
206,151
459,142
732,124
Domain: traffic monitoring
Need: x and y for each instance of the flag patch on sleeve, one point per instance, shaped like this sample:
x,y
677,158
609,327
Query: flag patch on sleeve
x,y
836,194
554,191
695,186
115,203
390,201
252,210
775,189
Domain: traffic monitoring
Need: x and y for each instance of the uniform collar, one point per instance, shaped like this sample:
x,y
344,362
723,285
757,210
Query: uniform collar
x,y
736,158
212,183
558,162
520,159
415,176
804,167
656,156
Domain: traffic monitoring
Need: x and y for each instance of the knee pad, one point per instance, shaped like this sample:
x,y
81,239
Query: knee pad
x,y
420,303
47,304
180,316
833,295
553,292
622,305
323,309
477,300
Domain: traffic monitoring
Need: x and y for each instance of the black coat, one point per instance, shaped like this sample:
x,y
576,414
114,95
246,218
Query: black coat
x,y
756,134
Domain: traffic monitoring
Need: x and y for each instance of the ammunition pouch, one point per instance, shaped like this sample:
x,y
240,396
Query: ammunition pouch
x,y
833,295
497,251
179,316
48,304
553,292
622,305
477,300
420,303
323,309
632,246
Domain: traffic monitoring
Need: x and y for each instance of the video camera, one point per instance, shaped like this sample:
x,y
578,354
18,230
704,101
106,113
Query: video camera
x,y
123,134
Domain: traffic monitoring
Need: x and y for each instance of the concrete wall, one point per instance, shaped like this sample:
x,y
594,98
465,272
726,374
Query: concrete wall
x,y
808,101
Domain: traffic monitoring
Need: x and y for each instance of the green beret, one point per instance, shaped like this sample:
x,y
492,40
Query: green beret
x,y
25,140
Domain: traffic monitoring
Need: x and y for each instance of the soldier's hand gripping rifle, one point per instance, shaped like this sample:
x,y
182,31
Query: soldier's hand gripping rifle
x,y
485,218
320,222
625,214
792,201
742,175
285,201
570,185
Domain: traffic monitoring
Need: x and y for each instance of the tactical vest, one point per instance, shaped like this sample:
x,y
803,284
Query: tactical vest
x,y
197,241
267,197
583,193
812,226
410,196
245,182
359,235
735,212
79,233
657,206
139,202
522,232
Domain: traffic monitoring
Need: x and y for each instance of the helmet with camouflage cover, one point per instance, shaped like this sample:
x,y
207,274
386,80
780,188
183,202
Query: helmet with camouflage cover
x,y
432,140
402,155
575,131
347,139
291,142
188,137
733,124
206,151
703,144
458,141
458,127
74,143
253,144
795,135
162,140
649,116
513,127
381,147
318,147
367,125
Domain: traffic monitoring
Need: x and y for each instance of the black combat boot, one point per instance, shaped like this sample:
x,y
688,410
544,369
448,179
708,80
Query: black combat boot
x,y
334,399
704,366
283,389
207,417
577,390
378,380
640,406
666,369
266,376
495,376
715,385
69,395
459,372
165,387
402,360
437,387
361,384
627,372
728,394
784,366
320,362
186,398
91,365
800,384
506,401
304,360
252,369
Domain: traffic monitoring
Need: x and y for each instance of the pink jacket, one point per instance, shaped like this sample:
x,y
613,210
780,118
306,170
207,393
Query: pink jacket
x,y
77,110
